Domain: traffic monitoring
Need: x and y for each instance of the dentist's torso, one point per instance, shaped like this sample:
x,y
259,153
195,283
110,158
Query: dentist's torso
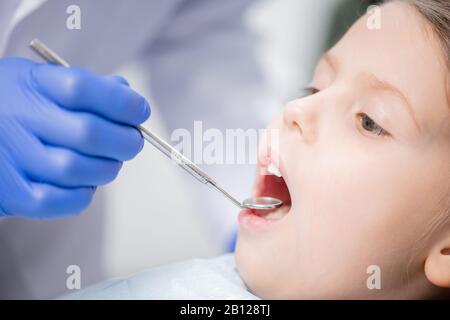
x,y
111,32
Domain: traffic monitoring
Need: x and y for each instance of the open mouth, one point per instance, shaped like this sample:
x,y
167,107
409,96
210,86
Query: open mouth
x,y
270,183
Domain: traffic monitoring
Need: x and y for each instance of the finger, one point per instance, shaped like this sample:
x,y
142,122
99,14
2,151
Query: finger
x,y
87,134
120,79
49,201
19,197
63,167
66,168
81,90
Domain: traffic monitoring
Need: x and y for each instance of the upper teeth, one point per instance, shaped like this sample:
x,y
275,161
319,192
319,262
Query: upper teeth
x,y
273,169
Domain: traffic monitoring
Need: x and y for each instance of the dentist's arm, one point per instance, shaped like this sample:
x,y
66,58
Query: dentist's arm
x,y
63,132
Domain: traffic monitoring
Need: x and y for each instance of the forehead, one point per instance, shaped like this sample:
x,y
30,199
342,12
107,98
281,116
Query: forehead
x,y
404,52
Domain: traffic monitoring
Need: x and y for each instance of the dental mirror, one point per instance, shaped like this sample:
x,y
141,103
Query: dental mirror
x,y
262,203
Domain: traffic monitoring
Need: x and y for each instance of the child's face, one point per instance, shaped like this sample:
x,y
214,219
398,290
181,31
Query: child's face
x,y
360,195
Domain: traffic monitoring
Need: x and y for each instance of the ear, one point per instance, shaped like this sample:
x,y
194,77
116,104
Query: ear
x,y
437,264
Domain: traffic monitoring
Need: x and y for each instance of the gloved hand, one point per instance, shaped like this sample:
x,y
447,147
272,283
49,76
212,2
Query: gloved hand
x,y
63,132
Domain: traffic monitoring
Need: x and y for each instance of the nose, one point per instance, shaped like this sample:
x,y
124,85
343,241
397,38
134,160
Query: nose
x,y
301,115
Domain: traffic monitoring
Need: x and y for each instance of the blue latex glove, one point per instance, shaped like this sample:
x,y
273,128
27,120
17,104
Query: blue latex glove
x,y
63,132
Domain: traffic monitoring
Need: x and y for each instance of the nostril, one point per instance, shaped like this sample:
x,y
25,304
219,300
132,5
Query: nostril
x,y
291,116
446,251
297,126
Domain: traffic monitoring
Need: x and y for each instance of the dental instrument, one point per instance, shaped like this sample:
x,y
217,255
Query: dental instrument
x,y
257,203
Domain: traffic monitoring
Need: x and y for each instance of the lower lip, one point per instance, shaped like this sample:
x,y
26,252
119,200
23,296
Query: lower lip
x,y
254,222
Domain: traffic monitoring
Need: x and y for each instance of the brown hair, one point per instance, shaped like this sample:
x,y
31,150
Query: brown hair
x,y
437,14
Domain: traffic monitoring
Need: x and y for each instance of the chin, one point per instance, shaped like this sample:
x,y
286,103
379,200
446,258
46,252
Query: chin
x,y
258,271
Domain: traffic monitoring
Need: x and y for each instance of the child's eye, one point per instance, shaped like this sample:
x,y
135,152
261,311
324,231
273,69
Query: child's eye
x,y
369,125
309,91
366,122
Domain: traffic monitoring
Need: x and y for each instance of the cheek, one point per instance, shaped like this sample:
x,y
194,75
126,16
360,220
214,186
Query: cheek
x,y
355,209
342,189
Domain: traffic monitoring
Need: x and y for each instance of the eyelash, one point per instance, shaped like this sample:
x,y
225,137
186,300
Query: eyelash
x,y
309,91
364,119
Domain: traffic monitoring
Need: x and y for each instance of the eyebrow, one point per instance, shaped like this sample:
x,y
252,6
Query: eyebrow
x,y
386,86
378,84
